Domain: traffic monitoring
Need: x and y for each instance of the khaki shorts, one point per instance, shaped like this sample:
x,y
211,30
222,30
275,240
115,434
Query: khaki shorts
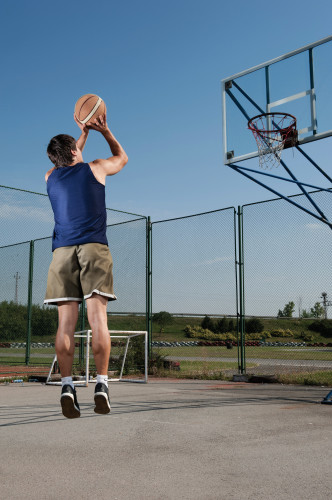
x,y
79,271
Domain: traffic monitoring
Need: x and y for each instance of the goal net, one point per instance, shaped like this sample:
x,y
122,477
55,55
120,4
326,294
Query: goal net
x,y
128,361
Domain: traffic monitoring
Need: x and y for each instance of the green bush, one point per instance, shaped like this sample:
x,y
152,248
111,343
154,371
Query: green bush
x,y
44,320
134,359
281,333
208,324
231,326
197,332
257,336
193,331
222,326
13,321
254,325
265,334
163,318
324,327
306,337
14,317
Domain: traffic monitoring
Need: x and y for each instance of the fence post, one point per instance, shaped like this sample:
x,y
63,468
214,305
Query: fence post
x,y
149,283
30,284
241,293
236,263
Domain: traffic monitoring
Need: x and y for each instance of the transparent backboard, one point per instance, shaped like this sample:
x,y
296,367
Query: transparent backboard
x,y
298,83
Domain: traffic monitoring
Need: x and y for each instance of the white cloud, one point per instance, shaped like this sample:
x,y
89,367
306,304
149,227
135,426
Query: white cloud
x,y
13,212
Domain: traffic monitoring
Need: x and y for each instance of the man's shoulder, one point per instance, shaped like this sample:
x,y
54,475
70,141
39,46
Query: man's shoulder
x,y
97,170
49,173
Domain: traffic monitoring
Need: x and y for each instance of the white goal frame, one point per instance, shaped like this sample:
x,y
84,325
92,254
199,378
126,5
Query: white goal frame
x,y
114,334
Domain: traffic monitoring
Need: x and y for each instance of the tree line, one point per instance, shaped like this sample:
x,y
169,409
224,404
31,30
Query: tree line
x,y
14,320
317,311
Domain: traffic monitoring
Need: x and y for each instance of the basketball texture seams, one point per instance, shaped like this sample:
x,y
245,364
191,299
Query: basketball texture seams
x,y
88,107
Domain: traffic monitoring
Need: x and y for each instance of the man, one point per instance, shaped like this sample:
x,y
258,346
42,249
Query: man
x,y
82,263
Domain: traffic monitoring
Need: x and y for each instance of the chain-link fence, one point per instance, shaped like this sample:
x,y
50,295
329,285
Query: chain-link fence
x,y
194,275
27,328
201,273
287,267
26,216
14,271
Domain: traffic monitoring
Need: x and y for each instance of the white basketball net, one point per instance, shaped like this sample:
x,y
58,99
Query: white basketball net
x,y
271,132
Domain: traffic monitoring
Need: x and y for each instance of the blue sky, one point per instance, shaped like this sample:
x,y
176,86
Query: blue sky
x,y
158,66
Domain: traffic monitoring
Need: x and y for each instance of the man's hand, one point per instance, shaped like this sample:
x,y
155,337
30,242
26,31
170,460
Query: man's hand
x,y
83,126
99,124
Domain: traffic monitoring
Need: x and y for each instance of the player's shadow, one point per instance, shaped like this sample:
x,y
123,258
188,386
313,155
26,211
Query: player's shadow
x,y
50,413
33,414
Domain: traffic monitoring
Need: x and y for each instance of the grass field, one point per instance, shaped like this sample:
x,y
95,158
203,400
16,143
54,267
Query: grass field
x,y
321,378
251,352
303,353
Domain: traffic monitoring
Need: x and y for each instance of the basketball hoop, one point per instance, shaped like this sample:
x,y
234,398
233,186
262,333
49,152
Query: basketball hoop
x,y
273,133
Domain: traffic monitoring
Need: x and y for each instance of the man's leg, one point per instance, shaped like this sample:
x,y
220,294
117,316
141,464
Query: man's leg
x,y
101,347
65,348
101,342
65,342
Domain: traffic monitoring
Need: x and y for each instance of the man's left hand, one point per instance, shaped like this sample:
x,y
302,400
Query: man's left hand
x,y
82,126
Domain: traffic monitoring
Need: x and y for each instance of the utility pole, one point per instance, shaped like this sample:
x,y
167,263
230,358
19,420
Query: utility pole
x,y
300,306
326,303
17,277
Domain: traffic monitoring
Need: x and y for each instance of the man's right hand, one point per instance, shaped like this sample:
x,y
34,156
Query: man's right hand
x,y
99,124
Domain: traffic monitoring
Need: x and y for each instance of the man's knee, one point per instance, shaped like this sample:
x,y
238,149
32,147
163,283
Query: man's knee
x,y
68,316
97,311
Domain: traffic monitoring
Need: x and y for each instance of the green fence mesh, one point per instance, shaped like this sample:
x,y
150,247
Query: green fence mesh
x,y
195,276
287,259
25,214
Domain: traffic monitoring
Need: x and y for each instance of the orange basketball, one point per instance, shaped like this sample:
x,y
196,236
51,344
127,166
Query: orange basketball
x,y
88,107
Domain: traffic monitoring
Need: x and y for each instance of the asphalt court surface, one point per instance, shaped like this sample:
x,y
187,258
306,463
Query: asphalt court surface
x,y
167,439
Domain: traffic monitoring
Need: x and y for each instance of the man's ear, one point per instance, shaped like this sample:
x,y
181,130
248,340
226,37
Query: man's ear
x,y
74,152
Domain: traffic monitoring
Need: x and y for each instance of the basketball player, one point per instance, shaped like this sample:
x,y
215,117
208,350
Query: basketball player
x,y
82,263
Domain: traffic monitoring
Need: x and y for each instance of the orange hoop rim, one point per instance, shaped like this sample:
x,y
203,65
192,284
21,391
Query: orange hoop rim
x,y
284,130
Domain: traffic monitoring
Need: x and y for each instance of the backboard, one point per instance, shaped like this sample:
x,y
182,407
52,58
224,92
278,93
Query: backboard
x,y
298,83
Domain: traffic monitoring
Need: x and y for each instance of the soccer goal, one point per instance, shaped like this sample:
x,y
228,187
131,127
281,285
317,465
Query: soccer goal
x,y
128,360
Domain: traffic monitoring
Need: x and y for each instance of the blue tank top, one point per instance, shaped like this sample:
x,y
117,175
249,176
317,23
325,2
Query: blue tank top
x,y
78,203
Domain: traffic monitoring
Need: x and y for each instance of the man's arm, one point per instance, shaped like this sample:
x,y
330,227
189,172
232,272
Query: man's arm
x,y
84,135
112,165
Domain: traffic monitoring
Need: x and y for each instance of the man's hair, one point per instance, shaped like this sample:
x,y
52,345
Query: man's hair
x,y
60,150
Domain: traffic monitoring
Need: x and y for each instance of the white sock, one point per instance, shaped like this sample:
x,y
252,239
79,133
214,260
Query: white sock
x,y
67,381
103,379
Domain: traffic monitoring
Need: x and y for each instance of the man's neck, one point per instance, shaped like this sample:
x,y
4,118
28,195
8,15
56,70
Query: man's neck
x,y
75,163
